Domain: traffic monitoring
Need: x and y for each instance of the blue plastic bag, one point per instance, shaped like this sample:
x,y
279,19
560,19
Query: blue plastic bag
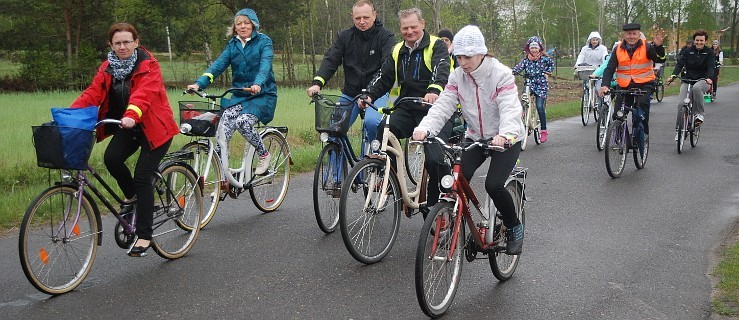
x,y
75,128
80,118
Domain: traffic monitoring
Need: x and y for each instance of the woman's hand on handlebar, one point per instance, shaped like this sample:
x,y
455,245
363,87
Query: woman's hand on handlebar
x,y
193,87
313,90
419,135
127,123
255,88
603,90
499,141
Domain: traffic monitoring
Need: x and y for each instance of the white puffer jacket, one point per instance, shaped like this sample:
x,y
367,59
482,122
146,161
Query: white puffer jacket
x,y
590,55
489,99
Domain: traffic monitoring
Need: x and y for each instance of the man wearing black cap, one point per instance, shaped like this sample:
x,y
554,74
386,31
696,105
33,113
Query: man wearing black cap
x,y
631,64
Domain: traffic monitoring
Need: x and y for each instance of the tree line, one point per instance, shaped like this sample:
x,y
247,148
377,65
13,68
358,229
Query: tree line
x,y
58,43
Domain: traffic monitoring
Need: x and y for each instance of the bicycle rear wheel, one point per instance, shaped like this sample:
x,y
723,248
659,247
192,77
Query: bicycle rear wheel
x,y
526,123
438,269
178,211
596,108
414,159
585,107
659,92
267,192
502,264
209,175
368,217
330,171
640,156
57,248
616,148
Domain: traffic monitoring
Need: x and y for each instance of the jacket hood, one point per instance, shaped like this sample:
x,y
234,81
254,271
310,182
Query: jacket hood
x,y
532,40
592,35
249,13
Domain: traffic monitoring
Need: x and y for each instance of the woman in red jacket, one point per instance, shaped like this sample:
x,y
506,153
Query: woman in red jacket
x,y
129,86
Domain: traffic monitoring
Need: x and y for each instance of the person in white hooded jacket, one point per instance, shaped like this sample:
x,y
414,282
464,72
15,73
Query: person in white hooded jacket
x,y
593,52
486,90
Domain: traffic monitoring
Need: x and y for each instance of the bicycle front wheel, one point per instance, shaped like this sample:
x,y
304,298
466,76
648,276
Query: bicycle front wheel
x,y
603,122
369,211
502,264
616,148
585,107
641,153
438,260
267,192
209,176
178,211
414,159
694,135
597,106
659,92
329,173
526,123
682,128
535,124
57,247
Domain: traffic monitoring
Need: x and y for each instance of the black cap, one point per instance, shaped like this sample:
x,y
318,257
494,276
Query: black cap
x,y
446,33
631,26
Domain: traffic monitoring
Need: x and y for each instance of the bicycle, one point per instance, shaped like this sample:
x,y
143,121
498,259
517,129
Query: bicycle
x,y
686,118
373,187
219,175
605,112
589,98
531,121
659,85
336,156
442,241
618,138
62,226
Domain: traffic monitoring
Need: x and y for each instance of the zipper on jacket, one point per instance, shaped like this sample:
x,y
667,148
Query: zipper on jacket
x,y
479,109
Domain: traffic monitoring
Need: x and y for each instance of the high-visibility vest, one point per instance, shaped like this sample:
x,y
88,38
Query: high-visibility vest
x,y
638,67
428,52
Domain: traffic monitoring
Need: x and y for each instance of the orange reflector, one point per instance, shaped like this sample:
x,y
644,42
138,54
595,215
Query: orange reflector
x,y
270,200
43,255
181,201
76,229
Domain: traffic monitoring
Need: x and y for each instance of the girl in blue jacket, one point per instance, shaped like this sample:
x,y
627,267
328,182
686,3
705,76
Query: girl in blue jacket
x,y
249,53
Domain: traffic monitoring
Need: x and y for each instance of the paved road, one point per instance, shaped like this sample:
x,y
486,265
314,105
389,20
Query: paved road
x,y
637,247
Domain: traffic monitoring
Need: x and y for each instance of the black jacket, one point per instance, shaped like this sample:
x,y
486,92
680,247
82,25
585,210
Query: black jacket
x,y
414,78
697,63
362,54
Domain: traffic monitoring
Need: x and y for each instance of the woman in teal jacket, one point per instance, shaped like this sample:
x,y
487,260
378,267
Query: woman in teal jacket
x,y
249,53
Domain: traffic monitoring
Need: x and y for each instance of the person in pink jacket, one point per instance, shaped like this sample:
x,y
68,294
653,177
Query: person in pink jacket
x,y
486,90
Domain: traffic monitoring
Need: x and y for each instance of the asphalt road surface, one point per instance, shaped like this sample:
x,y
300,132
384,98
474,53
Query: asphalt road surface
x,y
637,247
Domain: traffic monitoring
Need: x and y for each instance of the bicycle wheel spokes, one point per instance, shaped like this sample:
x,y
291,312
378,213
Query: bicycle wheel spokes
x,y
694,135
57,248
527,124
178,212
437,272
368,230
585,107
209,173
615,148
269,191
414,159
603,122
502,264
329,173
682,129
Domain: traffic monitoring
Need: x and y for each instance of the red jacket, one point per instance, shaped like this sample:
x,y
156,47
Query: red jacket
x,y
148,103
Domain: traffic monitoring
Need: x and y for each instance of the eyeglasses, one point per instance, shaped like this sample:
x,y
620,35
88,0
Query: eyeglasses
x,y
122,43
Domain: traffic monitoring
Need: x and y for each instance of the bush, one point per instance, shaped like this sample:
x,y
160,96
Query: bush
x,y
48,70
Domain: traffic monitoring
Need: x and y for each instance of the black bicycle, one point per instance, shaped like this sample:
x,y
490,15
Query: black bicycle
x,y
619,140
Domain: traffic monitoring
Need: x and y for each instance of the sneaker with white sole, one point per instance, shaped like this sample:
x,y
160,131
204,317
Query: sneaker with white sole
x,y
263,164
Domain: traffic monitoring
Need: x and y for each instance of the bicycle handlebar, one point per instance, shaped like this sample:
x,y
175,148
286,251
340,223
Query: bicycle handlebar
x,y
205,95
107,121
465,146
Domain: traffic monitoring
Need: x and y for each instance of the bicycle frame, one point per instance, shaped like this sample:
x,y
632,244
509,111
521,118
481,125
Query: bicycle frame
x,y
391,144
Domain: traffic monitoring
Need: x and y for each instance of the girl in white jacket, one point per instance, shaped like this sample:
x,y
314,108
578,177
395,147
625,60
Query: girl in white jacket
x,y
485,89
593,52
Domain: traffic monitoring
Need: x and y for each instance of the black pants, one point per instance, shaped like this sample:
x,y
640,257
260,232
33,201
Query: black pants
x,y
501,165
402,123
643,103
123,145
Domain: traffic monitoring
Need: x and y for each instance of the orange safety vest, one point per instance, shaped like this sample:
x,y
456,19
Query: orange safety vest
x,y
637,67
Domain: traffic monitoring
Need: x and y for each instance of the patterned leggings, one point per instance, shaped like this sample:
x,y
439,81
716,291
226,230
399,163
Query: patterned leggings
x,y
233,119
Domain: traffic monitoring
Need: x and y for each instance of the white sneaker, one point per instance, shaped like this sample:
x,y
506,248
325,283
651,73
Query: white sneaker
x,y
263,164
699,117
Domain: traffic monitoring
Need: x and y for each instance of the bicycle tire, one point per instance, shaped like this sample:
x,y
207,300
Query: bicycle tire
x,y
437,276
694,135
526,123
616,148
178,210
502,264
682,130
602,128
269,192
361,222
585,107
415,156
47,239
210,180
536,124
660,92
596,108
327,178
641,160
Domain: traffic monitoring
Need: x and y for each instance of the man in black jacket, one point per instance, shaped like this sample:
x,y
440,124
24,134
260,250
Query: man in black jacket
x,y
420,66
361,49
698,62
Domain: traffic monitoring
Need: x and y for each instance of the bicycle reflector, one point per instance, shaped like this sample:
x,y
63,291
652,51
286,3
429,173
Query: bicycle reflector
x,y
447,181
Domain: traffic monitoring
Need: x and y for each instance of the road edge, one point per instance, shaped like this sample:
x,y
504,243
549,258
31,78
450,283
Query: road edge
x,y
729,237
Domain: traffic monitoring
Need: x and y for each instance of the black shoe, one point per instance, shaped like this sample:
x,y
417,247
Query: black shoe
x,y
698,122
138,251
127,206
514,240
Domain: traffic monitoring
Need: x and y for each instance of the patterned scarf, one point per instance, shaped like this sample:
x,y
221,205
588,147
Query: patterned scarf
x,y
534,57
122,68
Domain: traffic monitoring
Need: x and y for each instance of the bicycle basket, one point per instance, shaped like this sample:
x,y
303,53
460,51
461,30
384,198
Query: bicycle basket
x,y
62,147
583,73
197,119
333,118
